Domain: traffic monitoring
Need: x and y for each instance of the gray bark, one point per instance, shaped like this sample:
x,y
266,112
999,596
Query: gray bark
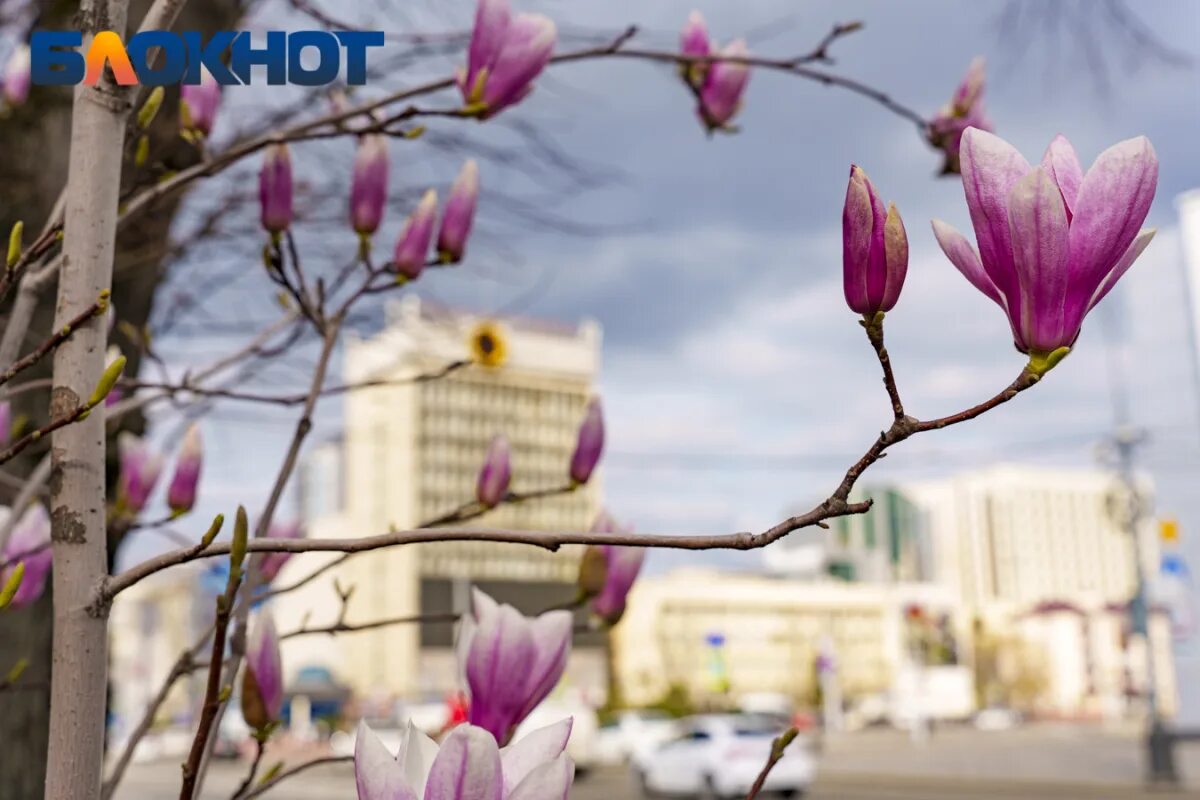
x,y
78,685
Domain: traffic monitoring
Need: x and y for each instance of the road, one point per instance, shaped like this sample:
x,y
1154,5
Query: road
x,y
161,782
1040,762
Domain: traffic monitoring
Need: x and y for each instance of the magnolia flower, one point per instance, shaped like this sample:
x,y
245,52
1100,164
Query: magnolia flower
x,y
262,681
459,214
965,110
495,474
512,662
201,102
469,765
275,193
589,444
368,192
694,41
874,248
140,468
181,494
505,56
621,568
17,76
5,422
271,563
1053,241
412,248
29,542
724,83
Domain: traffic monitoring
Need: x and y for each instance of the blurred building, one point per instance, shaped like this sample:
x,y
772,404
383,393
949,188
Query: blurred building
x,y
152,623
718,637
410,453
1022,535
888,543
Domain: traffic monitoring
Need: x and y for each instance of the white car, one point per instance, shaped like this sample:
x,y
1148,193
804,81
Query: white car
x,y
630,733
720,756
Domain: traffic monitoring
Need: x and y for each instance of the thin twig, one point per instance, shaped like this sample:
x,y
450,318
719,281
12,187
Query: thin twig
x,y
296,770
259,751
57,338
13,450
874,329
778,746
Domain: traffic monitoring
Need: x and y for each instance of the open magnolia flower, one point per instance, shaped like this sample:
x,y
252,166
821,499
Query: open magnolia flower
x,y
1053,241
469,765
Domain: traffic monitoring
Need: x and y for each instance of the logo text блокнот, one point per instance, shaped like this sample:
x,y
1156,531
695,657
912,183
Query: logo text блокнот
x,y
159,58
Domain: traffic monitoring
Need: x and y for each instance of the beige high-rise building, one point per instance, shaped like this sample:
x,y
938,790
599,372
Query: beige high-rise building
x,y
1021,535
411,452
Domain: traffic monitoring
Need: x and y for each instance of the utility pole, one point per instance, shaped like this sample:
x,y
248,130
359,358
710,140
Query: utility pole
x,y
1160,755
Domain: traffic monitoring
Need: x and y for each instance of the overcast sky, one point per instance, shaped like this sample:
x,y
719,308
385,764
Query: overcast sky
x,y
738,386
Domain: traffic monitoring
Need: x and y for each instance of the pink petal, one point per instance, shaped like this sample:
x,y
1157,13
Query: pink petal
x,y
963,255
548,782
990,169
377,773
1063,165
466,768
551,636
1037,221
1131,254
534,749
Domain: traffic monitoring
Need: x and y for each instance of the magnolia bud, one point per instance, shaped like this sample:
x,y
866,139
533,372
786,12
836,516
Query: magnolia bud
x,y
495,474
589,444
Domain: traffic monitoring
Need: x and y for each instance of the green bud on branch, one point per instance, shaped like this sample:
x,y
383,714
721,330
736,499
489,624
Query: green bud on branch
x,y
12,585
112,373
14,243
150,108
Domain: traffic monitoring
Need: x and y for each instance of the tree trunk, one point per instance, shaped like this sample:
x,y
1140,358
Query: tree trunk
x,y
78,684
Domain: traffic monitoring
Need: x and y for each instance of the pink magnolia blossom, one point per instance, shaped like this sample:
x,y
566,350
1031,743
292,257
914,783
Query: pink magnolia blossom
x,y
506,54
874,248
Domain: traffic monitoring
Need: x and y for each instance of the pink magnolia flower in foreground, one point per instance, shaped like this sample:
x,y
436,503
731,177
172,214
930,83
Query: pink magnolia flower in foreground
x,y
275,193
724,84
17,76
271,563
965,110
181,494
495,475
29,542
589,445
368,191
505,56
459,214
694,41
874,248
140,468
1053,241
469,765
5,422
202,101
262,681
512,662
412,248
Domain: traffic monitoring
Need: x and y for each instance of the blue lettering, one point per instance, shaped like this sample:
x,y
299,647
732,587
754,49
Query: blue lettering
x,y
210,55
329,56
356,44
273,57
174,57
51,67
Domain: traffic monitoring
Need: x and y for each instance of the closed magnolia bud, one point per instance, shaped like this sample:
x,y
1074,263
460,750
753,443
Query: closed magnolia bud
x,y
694,41
18,76
593,568
495,475
181,494
724,84
590,443
275,194
459,214
874,248
412,248
140,468
262,682
5,422
200,103
28,549
368,191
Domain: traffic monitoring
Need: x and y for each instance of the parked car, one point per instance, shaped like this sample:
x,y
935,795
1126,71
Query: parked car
x,y
584,726
632,732
720,756
996,718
